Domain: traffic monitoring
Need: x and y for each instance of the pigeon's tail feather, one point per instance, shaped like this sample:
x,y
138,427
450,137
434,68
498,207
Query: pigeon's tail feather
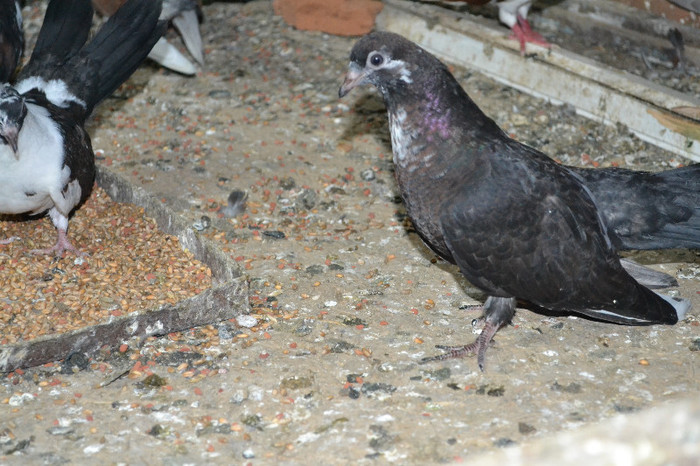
x,y
684,184
647,210
122,44
63,33
637,305
648,277
681,305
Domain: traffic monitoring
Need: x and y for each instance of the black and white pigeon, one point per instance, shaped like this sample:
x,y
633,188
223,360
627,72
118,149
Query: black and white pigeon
x,y
519,225
11,38
46,159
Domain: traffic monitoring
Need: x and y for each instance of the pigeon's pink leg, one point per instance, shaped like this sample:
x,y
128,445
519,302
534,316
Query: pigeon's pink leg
x,y
523,33
478,347
62,244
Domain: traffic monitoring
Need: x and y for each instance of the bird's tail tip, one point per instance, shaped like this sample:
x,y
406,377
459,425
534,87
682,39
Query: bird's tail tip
x,y
680,305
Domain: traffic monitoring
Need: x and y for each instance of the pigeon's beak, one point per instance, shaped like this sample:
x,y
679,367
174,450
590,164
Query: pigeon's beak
x,y
10,134
353,78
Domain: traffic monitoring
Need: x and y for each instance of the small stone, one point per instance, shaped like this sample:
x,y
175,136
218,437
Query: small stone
x,y
219,94
624,409
503,442
296,383
246,321
254,421
377,387
305,327
308,199
542,118
238,397
340,346
314,269
287,183
20,399
203,223
573,387
21,445
695,345
155,381
491,391
368,175
353,378
158,431
519,120
525,428
439,374
276,234
75,362
60,430
353,321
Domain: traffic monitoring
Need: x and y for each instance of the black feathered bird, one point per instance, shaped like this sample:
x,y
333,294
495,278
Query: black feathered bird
x,y
518,225
46,158
11,38
185,15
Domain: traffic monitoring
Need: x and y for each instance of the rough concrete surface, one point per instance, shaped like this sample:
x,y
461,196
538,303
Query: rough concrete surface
x,y
346,299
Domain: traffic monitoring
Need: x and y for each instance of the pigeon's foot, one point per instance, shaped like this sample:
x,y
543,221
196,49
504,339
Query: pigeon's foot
x,y
498,311
62,245
523,33
9,240
479,347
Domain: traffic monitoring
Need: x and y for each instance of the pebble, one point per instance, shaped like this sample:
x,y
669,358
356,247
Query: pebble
x,y
542,119
519,120
246,321
219,94
60,430
19,400
92,449
203,223
368,175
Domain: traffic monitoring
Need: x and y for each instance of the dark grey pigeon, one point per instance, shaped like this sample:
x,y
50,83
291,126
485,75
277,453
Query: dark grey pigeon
x,y
518,225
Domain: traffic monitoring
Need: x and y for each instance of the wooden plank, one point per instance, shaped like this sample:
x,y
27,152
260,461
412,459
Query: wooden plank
x,y
212,305
595,90
223,268
226,300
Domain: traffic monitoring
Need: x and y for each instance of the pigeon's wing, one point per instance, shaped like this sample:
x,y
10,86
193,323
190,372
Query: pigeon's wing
x,y
647,210
530,230
63,33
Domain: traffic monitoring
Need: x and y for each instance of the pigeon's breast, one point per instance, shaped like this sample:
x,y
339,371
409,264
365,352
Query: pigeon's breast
x,y
419,175
409,153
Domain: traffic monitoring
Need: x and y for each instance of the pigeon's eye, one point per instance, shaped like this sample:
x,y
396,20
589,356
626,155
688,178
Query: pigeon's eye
x,y
376,59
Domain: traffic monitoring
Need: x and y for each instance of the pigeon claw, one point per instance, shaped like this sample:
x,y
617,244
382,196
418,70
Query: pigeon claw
x,y
523,33
62,245
479,347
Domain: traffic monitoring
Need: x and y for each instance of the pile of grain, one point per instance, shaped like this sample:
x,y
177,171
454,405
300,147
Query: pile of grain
x,y
129,265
